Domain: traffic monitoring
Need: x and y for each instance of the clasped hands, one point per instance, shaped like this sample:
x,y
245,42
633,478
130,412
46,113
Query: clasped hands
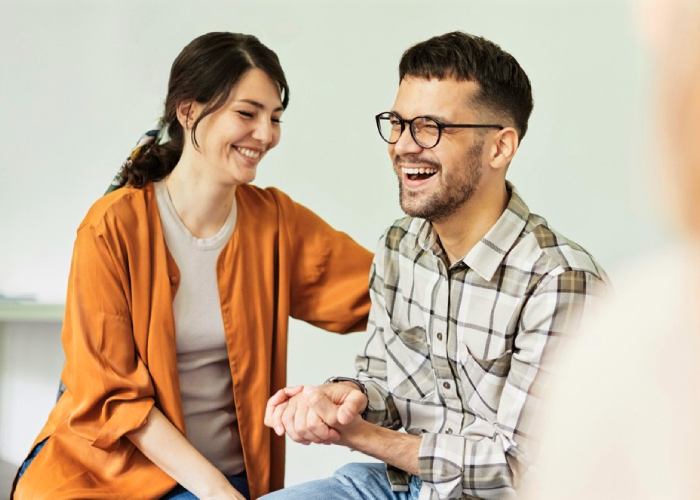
x,y
328,414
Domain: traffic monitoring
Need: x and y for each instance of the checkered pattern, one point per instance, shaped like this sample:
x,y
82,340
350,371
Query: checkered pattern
x,y
457,353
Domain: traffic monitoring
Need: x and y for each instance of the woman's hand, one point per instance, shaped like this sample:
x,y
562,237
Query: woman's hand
x,y
276,406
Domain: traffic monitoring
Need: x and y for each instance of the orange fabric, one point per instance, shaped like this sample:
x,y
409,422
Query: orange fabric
x,y
119,336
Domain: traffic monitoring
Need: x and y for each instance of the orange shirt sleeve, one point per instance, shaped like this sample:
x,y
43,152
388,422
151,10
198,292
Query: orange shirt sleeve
x,y
111,387
330,271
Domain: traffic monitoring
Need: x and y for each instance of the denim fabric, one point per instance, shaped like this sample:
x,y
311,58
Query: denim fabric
x,y
238,481
356,481
31,457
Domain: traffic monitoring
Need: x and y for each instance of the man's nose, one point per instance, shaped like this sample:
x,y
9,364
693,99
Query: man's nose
x,y
406,144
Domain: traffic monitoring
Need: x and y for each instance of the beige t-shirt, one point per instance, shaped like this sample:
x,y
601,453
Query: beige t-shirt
x,y
202,357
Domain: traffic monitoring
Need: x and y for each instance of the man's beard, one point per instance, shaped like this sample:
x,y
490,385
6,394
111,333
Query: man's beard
x,y
453,190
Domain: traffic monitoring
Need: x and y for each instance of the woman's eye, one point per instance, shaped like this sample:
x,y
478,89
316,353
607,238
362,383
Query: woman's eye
x,y
246,114
276,120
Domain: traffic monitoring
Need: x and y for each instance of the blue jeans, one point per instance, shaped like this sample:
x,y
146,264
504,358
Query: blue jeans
x,y
354,481
238,481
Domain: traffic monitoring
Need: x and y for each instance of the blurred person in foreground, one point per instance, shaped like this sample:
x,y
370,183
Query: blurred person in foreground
x,y
622,418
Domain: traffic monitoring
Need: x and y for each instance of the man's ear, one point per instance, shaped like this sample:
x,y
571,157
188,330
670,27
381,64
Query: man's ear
x,y
505,144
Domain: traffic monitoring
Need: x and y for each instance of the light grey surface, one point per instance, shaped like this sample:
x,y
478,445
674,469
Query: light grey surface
x,y
7,474
82,80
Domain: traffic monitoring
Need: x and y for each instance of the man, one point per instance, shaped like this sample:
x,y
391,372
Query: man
x,y
469,293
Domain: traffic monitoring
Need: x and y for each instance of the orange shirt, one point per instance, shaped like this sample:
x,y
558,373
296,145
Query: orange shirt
x,y
119,336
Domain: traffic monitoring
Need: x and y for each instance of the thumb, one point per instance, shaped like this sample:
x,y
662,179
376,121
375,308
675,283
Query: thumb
x,y
322,405
354,404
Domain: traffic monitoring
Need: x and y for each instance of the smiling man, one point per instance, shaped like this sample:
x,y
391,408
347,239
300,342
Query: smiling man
x,y
470,293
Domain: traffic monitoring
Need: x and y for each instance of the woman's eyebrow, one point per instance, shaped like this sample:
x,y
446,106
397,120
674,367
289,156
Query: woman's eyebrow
x,y
259,105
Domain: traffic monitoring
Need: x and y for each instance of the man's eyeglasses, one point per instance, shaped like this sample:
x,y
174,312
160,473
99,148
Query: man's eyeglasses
x,y
425,131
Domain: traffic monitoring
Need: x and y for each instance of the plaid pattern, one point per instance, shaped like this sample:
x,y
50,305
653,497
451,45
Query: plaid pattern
x,y
457,353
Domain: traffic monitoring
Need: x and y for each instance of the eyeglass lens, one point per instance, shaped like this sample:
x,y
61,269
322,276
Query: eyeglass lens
x,y
425,131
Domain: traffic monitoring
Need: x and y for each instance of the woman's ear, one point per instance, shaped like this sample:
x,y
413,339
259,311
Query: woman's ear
x,y
186,114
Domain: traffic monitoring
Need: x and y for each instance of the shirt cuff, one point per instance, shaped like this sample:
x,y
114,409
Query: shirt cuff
x,y
128,417
441,463
376,411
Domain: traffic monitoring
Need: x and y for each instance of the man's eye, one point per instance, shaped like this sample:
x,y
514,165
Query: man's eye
x,y
394,122
276,120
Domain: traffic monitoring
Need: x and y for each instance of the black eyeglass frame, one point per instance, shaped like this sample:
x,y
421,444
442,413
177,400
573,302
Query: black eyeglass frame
x,y
440,126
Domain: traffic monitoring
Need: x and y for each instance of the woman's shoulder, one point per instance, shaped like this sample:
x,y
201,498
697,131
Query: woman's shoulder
x,y
120,208
268,196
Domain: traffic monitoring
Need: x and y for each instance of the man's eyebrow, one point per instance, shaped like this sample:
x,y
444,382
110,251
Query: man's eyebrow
x,y
439,118
260,105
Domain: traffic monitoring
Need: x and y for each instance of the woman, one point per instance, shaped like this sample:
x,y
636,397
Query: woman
x,y
179,295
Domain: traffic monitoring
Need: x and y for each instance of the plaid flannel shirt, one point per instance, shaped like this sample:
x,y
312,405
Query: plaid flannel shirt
x,y
456,354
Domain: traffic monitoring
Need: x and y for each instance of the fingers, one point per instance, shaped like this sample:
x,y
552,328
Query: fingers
x,y
354,404
289,419
277,424
318,427
278,398
293,391
301,425
322,405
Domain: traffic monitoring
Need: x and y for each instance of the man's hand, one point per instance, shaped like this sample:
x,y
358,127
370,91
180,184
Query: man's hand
x,y
339,409
288,411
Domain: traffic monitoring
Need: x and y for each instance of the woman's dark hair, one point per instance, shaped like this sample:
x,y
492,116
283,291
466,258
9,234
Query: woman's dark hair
x,y
505,88
205,71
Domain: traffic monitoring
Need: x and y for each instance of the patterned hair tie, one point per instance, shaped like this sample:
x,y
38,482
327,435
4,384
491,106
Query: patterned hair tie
x,y
154,136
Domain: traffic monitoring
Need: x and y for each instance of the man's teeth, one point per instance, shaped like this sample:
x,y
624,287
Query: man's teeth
x,y
248,152
421,170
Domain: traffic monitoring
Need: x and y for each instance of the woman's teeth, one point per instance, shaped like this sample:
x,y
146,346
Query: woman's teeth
x,y
248,152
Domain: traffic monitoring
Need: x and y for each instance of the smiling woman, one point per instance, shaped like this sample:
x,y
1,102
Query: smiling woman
x,y
181,286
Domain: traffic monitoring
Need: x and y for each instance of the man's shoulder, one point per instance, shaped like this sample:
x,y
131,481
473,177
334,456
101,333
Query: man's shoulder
x,y
401,231
558,251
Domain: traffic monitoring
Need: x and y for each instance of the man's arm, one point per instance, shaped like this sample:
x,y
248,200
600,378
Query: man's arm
x,y
288,412
396,448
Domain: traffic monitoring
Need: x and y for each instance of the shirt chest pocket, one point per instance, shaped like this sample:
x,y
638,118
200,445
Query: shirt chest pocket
x,y
483,380
409,368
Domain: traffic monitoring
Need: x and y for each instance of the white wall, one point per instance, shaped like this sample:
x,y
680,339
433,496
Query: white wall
x,y
80,81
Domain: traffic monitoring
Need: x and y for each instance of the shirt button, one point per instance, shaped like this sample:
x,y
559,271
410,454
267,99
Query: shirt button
x,y
439,336
449,431
446,385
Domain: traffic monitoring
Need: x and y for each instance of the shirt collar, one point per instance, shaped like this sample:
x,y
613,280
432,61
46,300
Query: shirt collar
x,y
488,254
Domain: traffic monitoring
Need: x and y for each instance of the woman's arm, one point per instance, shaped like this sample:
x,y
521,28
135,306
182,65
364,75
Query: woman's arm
x,y
166,447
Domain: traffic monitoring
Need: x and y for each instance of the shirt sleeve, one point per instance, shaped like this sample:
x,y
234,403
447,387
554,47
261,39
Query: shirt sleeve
x,y
371,362
490,465
329,271
110,385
